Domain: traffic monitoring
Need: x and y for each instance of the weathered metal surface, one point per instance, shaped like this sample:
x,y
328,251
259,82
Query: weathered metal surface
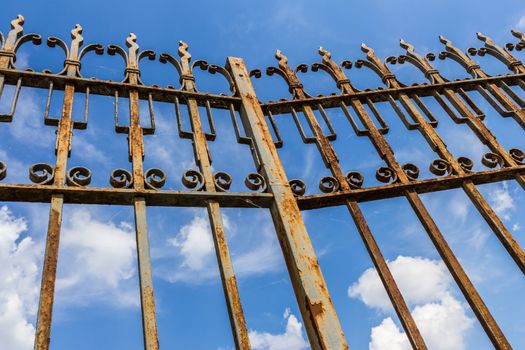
x,y
340,181
470,189
136,155
63,149
319,316
55,184
211,182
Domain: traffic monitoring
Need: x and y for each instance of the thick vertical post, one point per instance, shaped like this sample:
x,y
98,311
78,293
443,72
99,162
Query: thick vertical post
x,y
318,313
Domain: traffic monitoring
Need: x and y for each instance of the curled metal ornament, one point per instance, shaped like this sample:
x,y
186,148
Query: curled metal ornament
x,y
255,182
440,167
386,174
222,180
3,171
193,179
411,171
466,164
517,155
154,178
42,173
78,176
492,160
121,178
298,187
329,184
355,179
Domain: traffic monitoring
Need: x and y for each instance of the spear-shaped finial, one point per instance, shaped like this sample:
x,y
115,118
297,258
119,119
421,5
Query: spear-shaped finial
x,y
16,32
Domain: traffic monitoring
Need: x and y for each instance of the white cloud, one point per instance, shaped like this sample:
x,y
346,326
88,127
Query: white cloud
x,y
97,261
421,281
19,258
521,23
291,339
196,252
425,283
443,324
195,244
388,336
27,125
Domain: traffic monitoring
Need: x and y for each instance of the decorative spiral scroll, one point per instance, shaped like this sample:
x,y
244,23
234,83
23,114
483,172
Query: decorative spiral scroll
x,y
492,160
222,180
386,174
298,187
466,164
355,179
3,171
78,176
329,184
411,171
193,179
440,167
42,173
121,178
154,178
255,182
517,155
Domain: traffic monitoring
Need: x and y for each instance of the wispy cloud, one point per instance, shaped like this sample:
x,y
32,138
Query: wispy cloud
x,y
521,23
195,252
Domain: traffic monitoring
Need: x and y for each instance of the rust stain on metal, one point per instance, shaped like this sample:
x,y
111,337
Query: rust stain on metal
x,y
56,184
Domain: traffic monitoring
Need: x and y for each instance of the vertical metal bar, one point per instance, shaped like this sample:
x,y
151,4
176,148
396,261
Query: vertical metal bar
x,y
229,282
147,298
47,289
372,247
318,313
136,148
486,211
474,299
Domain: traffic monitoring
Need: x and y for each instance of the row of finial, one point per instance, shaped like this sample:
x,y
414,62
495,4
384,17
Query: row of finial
x,y
380,67
132,56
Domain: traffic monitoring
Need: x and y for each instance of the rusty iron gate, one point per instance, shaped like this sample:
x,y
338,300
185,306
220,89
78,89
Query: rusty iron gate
x,y
269,187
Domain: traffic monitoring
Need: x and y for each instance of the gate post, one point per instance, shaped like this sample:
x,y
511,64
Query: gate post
x,y
318,313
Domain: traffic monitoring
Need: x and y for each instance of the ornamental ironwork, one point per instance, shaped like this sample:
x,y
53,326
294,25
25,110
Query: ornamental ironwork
x,y
270,187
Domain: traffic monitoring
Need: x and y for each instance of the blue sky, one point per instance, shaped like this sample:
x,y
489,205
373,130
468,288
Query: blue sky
x,y
97,304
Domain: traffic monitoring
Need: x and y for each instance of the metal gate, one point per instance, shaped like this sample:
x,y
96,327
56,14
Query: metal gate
x,y
269,187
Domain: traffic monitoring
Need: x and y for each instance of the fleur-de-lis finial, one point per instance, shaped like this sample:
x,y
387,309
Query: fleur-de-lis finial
x,y
132,58
373,62
498,52
329,66
459,56
419,61
294,84
15,38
